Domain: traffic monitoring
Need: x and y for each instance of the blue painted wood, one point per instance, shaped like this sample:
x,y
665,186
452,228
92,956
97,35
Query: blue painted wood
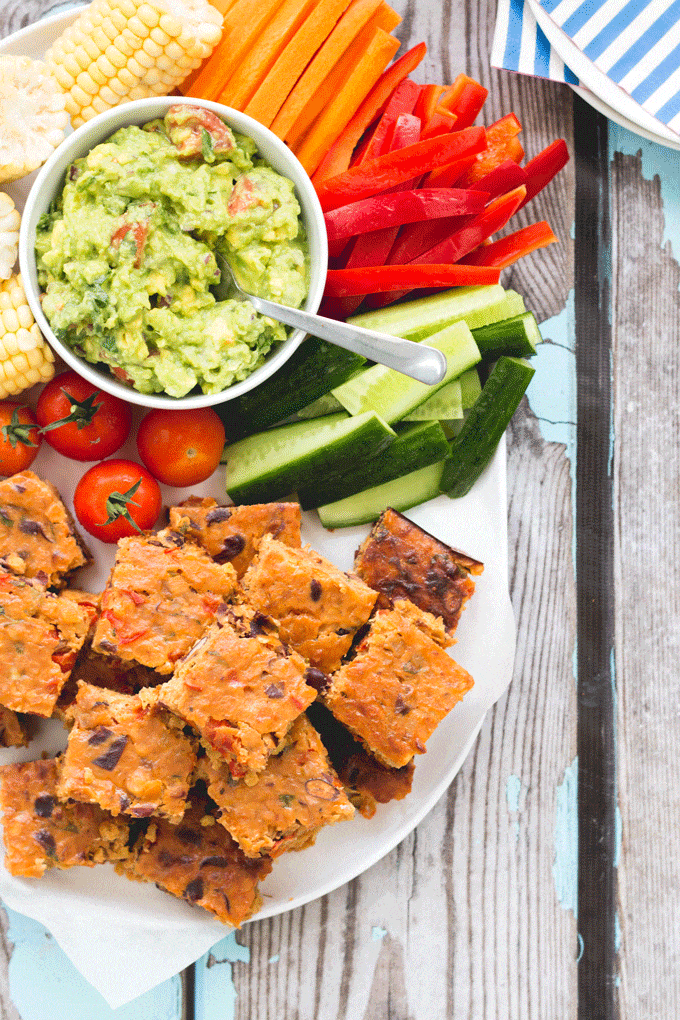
x,y
215,994
44,984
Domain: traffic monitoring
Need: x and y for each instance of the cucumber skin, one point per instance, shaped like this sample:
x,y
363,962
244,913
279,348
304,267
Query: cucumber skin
x,y
415,320
311,371
487,420
401,494
415,447
512,337
368,438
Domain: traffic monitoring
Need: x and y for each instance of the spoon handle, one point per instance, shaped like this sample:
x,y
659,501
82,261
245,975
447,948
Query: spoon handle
x,y
417,360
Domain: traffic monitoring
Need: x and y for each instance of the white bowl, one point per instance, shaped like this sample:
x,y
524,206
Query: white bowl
x,y
50,181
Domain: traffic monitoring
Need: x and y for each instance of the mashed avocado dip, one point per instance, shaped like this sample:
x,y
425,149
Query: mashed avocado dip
x,y
126,257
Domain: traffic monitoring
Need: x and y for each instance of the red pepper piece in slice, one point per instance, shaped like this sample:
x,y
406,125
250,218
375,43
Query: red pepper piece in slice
x,y
395,167
504,252
338,157
378,279
402,207
542,168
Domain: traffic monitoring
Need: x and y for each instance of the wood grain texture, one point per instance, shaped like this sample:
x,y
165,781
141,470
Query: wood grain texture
x,y
646,340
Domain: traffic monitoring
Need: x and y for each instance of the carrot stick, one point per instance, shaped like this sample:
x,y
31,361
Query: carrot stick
x,y
222,5
332,121
351,23
243,23
251,72
384,18
338,156
274,90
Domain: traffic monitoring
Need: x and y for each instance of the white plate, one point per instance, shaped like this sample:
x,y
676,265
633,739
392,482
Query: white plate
x,y
600,91
144,936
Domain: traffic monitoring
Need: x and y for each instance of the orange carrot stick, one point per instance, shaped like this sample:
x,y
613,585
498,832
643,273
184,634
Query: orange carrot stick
x,y
346,30
339,155
313,32
337,115
252,71
387,19
243,23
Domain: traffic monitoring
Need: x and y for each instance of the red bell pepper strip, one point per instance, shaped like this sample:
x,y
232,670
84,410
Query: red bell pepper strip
x,y
439,123
428,101
465,99
395,167
372,249
542,168
507,250
448,176
501,144
338,157
504,178
402,207
382,279
402,101
468,235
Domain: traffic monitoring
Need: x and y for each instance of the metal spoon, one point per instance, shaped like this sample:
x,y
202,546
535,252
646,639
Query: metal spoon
x,y
426,364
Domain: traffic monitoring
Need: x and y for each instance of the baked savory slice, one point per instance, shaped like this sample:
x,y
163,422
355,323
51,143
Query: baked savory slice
x,y
319,608
286,805
240,688
37,535
41,832
40,637
162,594
199,862
232,534
126,757
401,561
397,688
366,780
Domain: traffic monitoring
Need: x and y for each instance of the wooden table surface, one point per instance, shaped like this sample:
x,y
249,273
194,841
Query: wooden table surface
x,y
546,884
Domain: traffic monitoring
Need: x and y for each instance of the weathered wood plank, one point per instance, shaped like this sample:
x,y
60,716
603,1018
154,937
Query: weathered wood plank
x,y
463,920
646,340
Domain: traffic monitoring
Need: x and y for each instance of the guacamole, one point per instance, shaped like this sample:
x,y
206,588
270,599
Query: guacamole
x,y
126,256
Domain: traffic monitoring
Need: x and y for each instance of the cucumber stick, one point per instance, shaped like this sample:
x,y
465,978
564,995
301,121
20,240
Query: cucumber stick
x,y
474,446
401,494
270,465
415,320
470,388
311,371
393,395
327,404
445,404
516,337
415,447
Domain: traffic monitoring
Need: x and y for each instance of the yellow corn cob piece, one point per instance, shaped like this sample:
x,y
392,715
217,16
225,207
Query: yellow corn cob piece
x,y
25,358
32,116
119,50
10,221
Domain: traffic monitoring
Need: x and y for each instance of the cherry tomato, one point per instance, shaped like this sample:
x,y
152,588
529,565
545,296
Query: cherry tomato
x,y
181,447
81,421
19,437
117,498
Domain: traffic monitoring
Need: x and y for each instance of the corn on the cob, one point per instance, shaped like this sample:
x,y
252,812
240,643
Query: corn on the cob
x,y
32,116
119,50
10,221
25,358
